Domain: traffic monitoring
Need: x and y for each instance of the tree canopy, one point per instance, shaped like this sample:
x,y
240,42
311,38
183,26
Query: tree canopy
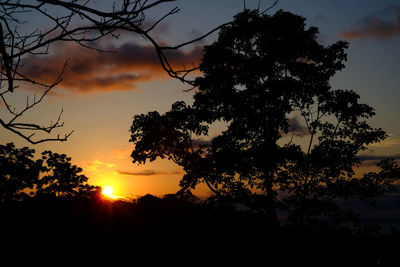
x,y
291,140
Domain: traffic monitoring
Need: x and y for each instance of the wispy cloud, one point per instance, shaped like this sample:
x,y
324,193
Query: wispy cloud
x,y
382,24
92,71
121,154
96,164
388,142
147,173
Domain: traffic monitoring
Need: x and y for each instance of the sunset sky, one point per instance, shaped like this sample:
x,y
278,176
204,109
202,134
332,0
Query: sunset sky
x,y
101,92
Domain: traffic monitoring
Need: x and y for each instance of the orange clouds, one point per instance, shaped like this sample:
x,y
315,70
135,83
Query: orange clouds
x,y
148,173
376,25
93,71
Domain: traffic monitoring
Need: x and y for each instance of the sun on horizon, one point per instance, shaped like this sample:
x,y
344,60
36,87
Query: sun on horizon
x,y
108,192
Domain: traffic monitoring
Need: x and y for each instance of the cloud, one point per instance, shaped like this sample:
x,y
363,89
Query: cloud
x,y
373,160
147,173
388,142
383,24
120,154
96,165
296,128
92,71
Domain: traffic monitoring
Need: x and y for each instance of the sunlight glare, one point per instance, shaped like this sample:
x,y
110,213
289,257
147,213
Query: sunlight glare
x,y
108,191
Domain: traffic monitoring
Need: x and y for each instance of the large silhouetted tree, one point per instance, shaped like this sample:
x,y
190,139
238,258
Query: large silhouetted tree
x,y
287,131
19,172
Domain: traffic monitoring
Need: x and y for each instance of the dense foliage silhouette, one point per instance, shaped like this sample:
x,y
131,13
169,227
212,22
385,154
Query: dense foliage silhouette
x,y
291,141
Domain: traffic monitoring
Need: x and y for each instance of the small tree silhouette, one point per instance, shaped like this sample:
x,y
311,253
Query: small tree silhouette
x,y
62,179
18,172
267,78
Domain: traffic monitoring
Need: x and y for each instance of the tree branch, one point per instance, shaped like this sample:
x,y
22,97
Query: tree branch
x,y
96,24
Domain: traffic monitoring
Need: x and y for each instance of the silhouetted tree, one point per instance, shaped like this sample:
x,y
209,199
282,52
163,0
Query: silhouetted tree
x,y
61,179
267,79
18,172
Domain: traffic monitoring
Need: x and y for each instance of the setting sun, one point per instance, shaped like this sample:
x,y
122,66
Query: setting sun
x,y
108,191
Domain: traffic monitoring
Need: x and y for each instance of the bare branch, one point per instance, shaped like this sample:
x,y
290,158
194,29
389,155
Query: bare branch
x,y
82,23
269,8
6,60
15,44
173,11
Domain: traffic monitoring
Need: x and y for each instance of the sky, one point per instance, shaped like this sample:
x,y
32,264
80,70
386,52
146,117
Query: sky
x,y
101,92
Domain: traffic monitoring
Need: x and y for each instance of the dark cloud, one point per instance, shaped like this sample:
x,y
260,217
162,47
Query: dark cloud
x,y
382,24
90,70
296,127
147,173
373,160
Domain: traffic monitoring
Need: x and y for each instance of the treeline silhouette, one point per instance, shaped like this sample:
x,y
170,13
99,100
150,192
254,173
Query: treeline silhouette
x,y
182,230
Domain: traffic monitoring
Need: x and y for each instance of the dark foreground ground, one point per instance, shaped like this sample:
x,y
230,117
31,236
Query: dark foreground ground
x,y
173,233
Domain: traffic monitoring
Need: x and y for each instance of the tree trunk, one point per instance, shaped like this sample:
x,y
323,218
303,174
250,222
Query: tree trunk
x,y
272,217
